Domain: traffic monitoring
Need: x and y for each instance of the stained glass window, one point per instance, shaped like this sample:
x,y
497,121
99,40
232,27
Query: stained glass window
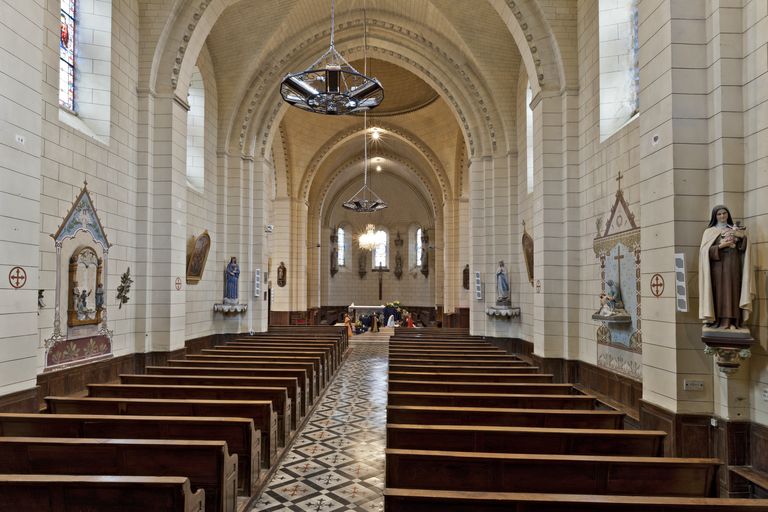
x,y
342,246
67,55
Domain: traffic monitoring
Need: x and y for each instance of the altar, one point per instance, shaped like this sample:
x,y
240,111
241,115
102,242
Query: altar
x,y
355,310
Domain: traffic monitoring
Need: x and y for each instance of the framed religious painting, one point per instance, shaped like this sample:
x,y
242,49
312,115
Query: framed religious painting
x,y
197,255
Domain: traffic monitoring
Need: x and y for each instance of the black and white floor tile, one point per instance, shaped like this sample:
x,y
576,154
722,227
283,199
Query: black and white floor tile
x,y
337,462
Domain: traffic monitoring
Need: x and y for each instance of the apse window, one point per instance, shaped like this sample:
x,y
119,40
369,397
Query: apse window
x,y
380,249
529,139
85,66
419,247
196,133
341,256
619,65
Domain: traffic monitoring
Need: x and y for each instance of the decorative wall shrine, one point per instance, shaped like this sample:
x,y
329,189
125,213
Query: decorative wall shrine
x,y
619,335
82,248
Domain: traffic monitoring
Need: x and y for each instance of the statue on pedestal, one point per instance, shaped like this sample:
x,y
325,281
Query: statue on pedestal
x,y
726,283
231,277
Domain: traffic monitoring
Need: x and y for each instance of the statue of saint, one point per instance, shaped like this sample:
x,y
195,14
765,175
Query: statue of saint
x,y
231,275
726,282
82,304
281,274
99,297
502,285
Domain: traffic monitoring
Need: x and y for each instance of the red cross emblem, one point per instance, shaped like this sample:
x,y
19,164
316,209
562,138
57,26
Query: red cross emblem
x,y
657,285
178,283
17,277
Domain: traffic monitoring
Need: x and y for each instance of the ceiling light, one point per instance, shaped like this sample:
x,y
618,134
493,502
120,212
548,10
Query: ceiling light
x,y
371,238
331,85
378,168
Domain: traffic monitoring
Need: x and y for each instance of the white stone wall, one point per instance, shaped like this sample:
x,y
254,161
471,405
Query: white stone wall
x,y
601,159
21,145
201,215
754,76
71,156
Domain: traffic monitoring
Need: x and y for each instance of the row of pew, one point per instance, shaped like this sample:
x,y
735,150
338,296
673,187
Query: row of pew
x,y
472,428
201,433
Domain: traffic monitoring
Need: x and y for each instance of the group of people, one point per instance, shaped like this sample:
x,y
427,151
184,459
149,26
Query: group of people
x,y
374,321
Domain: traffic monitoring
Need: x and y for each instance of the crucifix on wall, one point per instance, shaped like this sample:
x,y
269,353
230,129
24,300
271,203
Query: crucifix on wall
x,y
380,269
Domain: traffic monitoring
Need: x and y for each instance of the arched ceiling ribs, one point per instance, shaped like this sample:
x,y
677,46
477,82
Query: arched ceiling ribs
x,y
536,42
411,139
319,196
429,59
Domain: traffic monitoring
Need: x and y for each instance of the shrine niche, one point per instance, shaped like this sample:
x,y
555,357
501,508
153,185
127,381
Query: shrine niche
x,y
619,335
83,249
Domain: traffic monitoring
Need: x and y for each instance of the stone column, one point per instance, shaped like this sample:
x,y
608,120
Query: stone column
x,y
550,307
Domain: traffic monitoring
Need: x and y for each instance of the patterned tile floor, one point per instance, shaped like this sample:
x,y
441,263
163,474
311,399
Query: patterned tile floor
x,y
337,461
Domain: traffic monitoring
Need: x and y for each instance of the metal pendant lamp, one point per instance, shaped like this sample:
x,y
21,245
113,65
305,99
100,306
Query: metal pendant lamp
x,y
331,86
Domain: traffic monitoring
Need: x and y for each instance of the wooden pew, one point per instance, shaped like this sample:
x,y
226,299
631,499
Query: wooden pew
x,y
499,400
333,347
239,433
290,384
549,418
66,493
299,374
568,441
308,354
443,350
278,397
207,464
514,388
284,368
260,412
471,377
450,368
312,365
455,356
419,500
436,361
558,474
311,331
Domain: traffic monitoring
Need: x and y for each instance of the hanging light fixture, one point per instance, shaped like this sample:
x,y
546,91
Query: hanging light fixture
x,y
331,85
365,200
371,238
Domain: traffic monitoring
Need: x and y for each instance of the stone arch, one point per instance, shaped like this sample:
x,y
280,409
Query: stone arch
x,y
530,29
409,138
322,191
458,84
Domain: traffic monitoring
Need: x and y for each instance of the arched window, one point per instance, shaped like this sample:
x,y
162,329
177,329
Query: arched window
x,y
67,55
419,247
529,138
619,64
196,133
341,243
85,66
380,252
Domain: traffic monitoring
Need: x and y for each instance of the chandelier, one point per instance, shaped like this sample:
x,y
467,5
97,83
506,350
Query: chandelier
x,y
331,85
371,238
365,200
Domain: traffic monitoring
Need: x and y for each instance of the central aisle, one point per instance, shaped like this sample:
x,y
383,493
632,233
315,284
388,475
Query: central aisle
x,y
337,462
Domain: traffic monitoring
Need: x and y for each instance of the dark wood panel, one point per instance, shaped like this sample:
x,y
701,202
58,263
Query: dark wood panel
x,y
69,381
20,401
